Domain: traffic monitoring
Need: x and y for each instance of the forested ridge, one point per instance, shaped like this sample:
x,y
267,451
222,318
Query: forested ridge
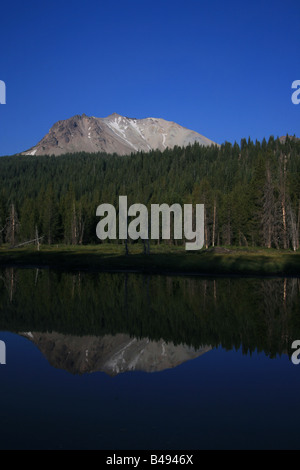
x,y
251,191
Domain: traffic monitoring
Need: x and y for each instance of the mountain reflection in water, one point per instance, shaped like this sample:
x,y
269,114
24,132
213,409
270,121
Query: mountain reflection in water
x,y
110,354
118,322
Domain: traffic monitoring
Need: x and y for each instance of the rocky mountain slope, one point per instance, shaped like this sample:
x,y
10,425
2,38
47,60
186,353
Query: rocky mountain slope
x,y
114,134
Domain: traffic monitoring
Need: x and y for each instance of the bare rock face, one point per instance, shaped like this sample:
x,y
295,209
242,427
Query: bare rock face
x,y
110,354
291,137
114,134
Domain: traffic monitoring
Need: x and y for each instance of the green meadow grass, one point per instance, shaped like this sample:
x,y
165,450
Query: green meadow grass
x,y
162,259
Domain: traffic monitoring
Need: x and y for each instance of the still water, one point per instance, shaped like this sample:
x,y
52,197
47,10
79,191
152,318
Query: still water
x,y
125,361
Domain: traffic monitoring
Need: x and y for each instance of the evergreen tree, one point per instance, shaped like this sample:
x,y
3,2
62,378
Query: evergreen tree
x,y
49,216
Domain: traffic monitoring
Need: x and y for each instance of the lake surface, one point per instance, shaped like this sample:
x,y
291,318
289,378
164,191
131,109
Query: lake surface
x,y
125,361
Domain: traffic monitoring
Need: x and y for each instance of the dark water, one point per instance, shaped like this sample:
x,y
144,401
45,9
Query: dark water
x,y
102,361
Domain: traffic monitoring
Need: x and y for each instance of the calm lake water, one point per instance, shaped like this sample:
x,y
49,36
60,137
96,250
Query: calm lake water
x,y
125,361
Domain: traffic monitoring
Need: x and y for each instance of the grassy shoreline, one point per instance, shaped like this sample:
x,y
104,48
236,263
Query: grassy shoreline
x,y
162,260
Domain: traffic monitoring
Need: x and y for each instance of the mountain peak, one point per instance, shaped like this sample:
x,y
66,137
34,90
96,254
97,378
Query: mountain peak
x,y
114,134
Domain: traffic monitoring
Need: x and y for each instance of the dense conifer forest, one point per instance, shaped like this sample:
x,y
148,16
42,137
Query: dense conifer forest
x,y
251,192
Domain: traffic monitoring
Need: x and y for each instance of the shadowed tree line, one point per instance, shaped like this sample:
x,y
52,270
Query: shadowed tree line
x,y
251,192
253,314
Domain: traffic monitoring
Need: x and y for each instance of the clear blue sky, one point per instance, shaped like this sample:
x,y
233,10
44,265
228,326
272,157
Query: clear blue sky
x,y
221,68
